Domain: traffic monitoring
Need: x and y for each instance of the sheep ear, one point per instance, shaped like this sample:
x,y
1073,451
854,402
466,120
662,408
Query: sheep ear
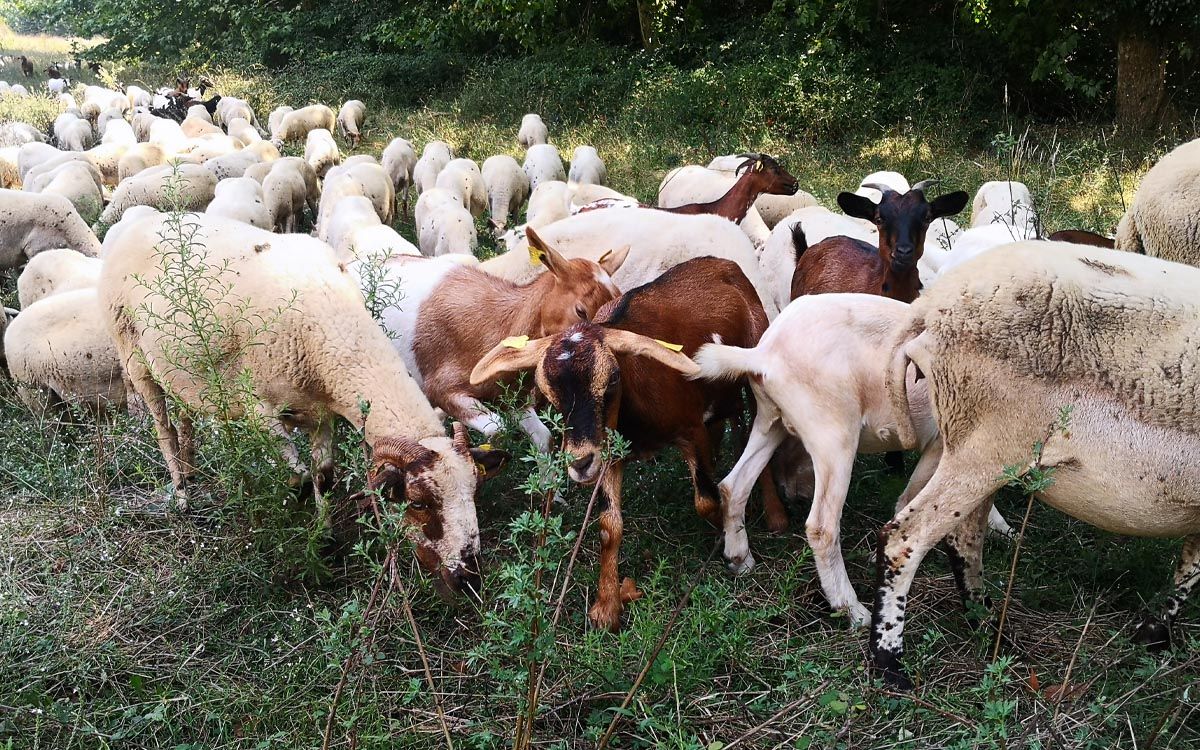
x,y
671,355
513,354
858,206
948,204
611,261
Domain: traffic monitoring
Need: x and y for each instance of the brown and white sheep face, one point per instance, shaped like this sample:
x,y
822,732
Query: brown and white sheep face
x,y
437,479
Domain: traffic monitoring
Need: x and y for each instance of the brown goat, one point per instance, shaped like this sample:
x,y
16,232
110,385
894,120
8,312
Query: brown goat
x,y
618,373
758,174
470,310
842,264
26,66
1081,237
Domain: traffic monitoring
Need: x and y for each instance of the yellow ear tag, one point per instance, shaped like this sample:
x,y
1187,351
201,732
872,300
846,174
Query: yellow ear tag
x,y
672,347
535,255
515,342
485,447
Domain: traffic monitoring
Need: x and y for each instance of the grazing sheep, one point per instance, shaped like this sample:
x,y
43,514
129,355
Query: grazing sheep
x,y
443,225
187,187
194,127
275,119
18,90
1163,221
587,167
359,178
132,216
141,124
1009,203
240,199
77,181
19,133
355,232
321,151
543,163
1089,354
312,185
295,125
58,350
398,159
106,117
74,135
139,158
231,108
322,356
434,158
199,112
31,223
507,189
137,96
10,175
463,178
533,131
54,271
240,128
869,187
169,135
118,133
235,164
350,121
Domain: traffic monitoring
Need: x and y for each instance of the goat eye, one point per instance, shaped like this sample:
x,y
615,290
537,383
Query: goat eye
x,y
418,506
581,311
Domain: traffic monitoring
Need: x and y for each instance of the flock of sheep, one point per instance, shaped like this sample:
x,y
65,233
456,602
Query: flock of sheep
x,y
882,328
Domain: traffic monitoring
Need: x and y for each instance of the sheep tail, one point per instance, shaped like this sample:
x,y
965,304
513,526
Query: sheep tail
x,y
799,241
722,362
897,381
1128,238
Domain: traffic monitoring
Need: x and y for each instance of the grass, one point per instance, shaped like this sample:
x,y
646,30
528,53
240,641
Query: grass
x,y
126,627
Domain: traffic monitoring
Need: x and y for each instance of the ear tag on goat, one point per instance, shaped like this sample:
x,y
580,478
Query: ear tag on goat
x,y
672,347
515,342
535,255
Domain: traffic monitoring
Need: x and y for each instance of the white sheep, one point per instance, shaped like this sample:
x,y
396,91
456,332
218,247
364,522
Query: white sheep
x,y
507,189
350,121
188,187
463,178
10,174
1009,203
106,117
241,199
434,158
321,151
355,232
359,178
587,167
194,126
141,123
696,184
1163,220
55,271
243,130
533,131
137,97
316,311
443,225
398,160
543,163
275,119
138,158
296,125
118,133
74,135
200,112
894,180
167,134
31,223
132,216
19,133
58,350
77,181
67,102
231,108
56,85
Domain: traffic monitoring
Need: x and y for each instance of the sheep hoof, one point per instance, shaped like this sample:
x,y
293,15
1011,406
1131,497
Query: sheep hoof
x,y
741,565
860,616
887,665
1153,634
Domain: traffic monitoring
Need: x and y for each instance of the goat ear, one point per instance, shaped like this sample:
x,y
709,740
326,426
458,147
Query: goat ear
x,y
627,342
858,206
948,204
540,252
511,355
489,461
612,260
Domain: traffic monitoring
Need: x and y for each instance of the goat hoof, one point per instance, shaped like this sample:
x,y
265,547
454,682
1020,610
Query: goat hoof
x,y
860,616
605,617
1153,634
738,566
777,525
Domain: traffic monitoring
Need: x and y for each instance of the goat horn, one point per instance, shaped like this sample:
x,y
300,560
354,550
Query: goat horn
x,y
878,186
923,184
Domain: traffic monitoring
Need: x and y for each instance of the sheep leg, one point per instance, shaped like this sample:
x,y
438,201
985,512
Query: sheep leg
x,y
155,400
322,466
964,547
956,489
1155,633
920,476
833,458
605,613
766,434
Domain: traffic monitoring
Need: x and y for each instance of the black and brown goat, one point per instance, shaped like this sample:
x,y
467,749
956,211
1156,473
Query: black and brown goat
x,y
843,264
618,373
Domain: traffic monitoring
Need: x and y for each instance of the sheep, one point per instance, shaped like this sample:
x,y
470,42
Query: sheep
x,y
75,135
141,124
463,178
296,125
542,163
67,103
322,356
870,185
199,112
137,97
231,108
55,271
19,133
33,154
587,167
132,216
443,225
77,181
434,158
240,128
1085,352
167,134
188,187
366,179
696,184
138,158
104,99
1009,203
533,131
202,148
350,121
321,151
658,240
1162,221
275,119
118,133
398,159
818,375
355,232
56,85
285,195
312,185
235,164
31,223
507,189
106,117
194,127
975,241
241,199
621,374
58,350
18,90
10,175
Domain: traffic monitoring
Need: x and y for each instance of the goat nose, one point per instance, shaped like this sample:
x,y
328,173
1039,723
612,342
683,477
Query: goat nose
x,y
581,465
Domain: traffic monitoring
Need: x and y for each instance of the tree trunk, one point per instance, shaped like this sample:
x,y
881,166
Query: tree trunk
x,y
1141,81
646,23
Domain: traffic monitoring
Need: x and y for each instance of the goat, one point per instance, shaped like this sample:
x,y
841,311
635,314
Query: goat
x,y
759,174
1081,237
841,264
618,373
52,71
26,66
